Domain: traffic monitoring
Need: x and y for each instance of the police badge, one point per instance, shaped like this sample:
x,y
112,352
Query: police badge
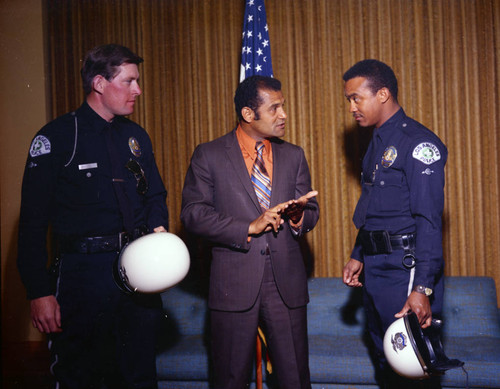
x,y
390,155
134,146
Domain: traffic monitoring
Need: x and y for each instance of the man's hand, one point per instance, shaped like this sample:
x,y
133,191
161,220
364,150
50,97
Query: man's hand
x,y
272,218
418,303
295,208
46,314
269,220
160,229
352,272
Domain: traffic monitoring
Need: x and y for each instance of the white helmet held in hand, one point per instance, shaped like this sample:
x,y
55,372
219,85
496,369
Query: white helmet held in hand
x,y
414,352
152,263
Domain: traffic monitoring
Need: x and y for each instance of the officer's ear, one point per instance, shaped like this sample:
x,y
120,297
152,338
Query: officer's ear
x,y
98,84
247,114
383,95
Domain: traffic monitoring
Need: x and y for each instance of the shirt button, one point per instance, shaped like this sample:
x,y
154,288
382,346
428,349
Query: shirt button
x,y
382,182
89,174
404,124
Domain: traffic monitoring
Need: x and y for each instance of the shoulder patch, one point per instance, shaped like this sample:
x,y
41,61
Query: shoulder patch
x,y
427,153
40,146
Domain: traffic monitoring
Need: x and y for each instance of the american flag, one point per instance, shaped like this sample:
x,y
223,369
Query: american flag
x,y
256,49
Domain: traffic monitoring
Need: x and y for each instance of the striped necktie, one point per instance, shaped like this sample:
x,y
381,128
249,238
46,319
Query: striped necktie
x,y
260,178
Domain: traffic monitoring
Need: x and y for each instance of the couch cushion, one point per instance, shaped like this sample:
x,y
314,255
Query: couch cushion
x,y
184,385
470,306
186,309
339,359
183,352
334,308
481,355
188,359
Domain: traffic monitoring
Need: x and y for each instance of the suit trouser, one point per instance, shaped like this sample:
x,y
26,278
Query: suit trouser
x,y
386,284
234,335
109,337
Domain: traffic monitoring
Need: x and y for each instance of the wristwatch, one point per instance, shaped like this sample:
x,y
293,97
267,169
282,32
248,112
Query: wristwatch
x,y
422,289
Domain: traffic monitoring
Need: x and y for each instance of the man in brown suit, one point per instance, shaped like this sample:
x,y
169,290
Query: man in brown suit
x,y
258,276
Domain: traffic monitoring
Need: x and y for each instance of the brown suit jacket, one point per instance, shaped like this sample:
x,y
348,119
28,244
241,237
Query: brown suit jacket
x,y
219,203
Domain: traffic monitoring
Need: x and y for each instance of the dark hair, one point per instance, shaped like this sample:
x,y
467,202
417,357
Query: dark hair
x,y
378,74
247,93
103,60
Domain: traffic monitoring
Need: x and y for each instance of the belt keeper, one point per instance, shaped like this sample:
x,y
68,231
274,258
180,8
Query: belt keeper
x,y
406,242
409,260
120,238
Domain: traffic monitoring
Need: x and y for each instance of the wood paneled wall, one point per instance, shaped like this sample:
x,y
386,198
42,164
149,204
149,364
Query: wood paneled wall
x,y
445,53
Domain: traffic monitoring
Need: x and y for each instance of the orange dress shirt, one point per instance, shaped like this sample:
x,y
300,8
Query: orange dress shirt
x,y
247,145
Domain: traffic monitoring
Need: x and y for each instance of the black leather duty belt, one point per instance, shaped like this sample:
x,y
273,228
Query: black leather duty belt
x,y
380,242
98,244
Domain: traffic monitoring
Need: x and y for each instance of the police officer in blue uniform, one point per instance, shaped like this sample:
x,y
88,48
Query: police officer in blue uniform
x,y
91,176
398,256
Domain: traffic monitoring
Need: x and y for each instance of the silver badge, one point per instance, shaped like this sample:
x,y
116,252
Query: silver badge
x,y
134,146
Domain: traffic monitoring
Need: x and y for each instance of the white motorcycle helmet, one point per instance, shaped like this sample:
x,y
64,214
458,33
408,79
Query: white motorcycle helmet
x,y
152,263
414,352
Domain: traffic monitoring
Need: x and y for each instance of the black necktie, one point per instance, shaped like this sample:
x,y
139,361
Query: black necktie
x,y
118,181
369,167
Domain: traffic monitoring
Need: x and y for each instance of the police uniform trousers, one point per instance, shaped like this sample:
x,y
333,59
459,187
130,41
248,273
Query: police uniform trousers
x,y
234,336
386,284
109,337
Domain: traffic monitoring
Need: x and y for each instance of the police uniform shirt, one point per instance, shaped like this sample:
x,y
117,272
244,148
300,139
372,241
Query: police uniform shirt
x,y
67,184
402,190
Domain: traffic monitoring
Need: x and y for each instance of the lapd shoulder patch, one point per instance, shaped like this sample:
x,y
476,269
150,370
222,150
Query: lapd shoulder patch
x,y
40,146
427,153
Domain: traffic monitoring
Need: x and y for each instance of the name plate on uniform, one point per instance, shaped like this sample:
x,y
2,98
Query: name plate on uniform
x,y
87,166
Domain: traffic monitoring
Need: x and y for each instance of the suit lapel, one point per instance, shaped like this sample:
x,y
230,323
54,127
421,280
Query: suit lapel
x,y
278,166
235,157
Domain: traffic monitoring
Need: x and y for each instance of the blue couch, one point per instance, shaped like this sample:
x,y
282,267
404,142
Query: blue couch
x,y
339,357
